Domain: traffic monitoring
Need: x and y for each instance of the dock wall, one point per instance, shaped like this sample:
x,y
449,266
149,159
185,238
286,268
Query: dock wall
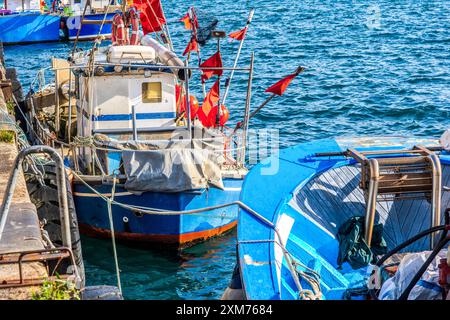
x,y
22,230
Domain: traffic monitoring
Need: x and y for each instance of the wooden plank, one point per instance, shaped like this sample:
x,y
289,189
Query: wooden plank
x,y
97,22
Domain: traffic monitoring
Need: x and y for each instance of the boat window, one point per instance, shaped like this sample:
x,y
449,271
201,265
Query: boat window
x,y
152,92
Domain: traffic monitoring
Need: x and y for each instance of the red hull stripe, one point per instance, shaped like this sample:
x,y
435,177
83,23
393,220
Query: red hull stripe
x,y
178,239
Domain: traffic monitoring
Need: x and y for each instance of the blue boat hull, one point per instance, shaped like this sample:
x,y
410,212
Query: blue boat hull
x,y
283,199
181,230
88,31
29,28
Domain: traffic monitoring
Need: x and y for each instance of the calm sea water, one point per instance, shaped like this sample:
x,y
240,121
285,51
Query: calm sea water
x,y
373,67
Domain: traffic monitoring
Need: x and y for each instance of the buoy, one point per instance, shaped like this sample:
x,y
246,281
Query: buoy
x,y
224,115
194,106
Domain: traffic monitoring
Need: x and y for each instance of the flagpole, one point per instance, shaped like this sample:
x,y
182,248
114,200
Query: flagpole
x,y
299,70
193,19
239,124
228,82
167,27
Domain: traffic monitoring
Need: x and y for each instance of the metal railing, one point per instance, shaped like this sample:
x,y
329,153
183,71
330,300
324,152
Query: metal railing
x,y
61,184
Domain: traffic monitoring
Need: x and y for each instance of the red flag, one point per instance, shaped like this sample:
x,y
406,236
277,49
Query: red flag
x,y
179,97
152,16
279,87
192,46
238,35
208,113
187,21
215,61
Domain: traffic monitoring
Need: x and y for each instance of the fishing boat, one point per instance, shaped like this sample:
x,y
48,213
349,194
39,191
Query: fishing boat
x,y
347,218
148,165
89,19
23,22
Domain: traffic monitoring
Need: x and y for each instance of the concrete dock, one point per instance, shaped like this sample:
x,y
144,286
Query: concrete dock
x,y
22,230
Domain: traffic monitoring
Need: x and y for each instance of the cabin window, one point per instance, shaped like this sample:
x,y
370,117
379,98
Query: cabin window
x,y
152,92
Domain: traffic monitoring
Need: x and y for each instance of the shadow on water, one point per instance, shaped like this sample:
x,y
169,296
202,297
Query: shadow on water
x,y
199,272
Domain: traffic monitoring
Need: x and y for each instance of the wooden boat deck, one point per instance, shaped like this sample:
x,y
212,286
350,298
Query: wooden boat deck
x,y
333,197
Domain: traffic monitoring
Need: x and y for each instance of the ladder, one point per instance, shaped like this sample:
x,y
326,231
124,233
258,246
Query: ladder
x,y
409,174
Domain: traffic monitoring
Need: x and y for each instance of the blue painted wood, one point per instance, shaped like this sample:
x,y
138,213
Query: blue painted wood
x,y
139,116
93,212
29,27
114,159
88,31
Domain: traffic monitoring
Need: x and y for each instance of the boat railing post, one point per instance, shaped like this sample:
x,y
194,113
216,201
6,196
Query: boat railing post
x,y
247,111
371,200
133,111
62,190
436,195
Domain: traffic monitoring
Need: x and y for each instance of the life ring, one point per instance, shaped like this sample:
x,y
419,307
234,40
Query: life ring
x,y
120,28
119,36
134,19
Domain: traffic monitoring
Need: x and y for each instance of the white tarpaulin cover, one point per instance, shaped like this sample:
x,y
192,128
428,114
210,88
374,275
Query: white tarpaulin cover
x,y
171,170
427,288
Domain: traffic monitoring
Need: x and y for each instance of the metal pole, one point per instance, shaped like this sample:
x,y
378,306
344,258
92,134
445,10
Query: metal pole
x,y
371,200
192,16
57,111
69,120
219,104
133,111
62,190
167,27
228,83
247,109
261,106
436,195
79,30
188,102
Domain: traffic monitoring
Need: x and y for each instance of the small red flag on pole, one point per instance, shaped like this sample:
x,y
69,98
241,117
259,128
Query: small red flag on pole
x,y
207,113
187,22
281,86
215,61
192,46
239,35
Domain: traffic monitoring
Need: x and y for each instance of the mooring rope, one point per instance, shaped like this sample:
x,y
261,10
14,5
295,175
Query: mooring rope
x,y
310,276
113,237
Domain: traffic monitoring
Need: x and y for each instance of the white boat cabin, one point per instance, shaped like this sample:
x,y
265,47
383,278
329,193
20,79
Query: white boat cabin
x,y
125,99
22,5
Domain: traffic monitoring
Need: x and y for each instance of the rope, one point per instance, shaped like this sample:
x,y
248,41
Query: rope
x,y
113,237
310,276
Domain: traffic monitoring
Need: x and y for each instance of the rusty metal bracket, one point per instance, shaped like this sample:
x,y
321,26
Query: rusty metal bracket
x,y
44,256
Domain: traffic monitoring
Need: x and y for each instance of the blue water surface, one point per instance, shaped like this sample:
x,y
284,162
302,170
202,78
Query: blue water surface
x,y
373,68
